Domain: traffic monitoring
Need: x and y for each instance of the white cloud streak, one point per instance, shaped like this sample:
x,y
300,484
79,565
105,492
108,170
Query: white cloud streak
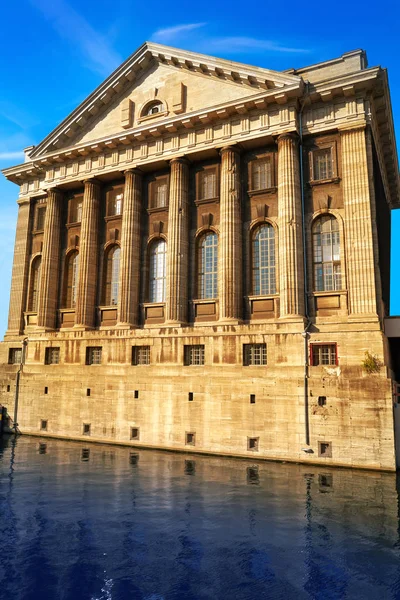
x,y
170,33
248,44
11,155
74,28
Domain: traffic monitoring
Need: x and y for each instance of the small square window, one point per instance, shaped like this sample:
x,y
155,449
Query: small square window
x,y
322,164
194,355
52,356
42,448
14,356
190,396
88,392
43,425
135,433
325,449
252,398
133,459
8,388
140,355
46,390
93,355
252,444
190,438
323,354
254,354
253,476
85,454
325,481
136,394
190,467
86,429
321,400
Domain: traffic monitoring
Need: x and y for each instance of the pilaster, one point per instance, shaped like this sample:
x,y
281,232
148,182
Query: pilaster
x,y
178,243
19,280
88,260
49,278
291,271
230,238
358,224
129,277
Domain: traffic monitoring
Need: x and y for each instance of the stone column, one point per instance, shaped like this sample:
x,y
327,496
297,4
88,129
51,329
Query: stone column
x,y
178,243
129,276
230,238
85,311
358,224
50,269
19,280
290,251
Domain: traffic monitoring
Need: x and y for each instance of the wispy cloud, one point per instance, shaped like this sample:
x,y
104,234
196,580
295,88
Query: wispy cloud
x,y
243,45
169,34
11,155
73,27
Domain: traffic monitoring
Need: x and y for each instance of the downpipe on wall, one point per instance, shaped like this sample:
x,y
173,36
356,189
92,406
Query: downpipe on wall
x,y
17,383
305,334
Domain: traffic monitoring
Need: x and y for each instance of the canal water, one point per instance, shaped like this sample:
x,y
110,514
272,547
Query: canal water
x,y
97,522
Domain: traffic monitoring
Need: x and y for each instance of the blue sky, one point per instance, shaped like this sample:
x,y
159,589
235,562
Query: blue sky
x,y
53,53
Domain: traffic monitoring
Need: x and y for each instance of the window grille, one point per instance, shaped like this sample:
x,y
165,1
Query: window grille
x,y
264,270
112,276
322,164
323,354
72,279
326,249
158,271
194,355
261,174
140,355
208,184
159,194
208,266
35,282
93,355
15,356
75,214
114,202
40,218
52,356
254,354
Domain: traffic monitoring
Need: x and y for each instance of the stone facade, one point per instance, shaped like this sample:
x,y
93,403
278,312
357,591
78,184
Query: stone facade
x,y
210,276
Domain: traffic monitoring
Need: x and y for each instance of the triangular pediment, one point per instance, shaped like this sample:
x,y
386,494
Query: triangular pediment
x,y
182,82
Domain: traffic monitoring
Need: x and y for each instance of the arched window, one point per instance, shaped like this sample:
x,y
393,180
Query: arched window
x,y
326,247
264,273
34,285
112,276
153,108
208,266
158,271
72,269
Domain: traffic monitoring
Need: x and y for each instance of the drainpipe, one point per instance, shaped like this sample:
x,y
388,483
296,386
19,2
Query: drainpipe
x,y
305,333
17,381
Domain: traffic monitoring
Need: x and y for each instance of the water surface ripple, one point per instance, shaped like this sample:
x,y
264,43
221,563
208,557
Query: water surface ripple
x,y
95,522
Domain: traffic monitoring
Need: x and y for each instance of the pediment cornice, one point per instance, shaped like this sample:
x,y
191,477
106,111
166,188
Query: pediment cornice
x,y
135,67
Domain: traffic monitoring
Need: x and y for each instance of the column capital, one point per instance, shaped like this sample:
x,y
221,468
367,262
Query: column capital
x,y
232,147
53,190
179,159
134,170
92,181
292,136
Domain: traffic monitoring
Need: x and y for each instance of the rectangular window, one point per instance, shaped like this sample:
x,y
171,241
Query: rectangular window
x,y
140,355
252,444
207,184
159,193
75,209
190,439
325,449
86,429
254,354
43,425
194,355
322,164
52,356
14,356
40,217
114,201
323,354
93,355
261,174
135,433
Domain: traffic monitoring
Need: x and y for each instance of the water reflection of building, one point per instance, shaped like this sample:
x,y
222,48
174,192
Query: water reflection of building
x,y
202,262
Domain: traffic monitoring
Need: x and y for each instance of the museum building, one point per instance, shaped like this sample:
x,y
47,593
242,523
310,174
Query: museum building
x,y
202,263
